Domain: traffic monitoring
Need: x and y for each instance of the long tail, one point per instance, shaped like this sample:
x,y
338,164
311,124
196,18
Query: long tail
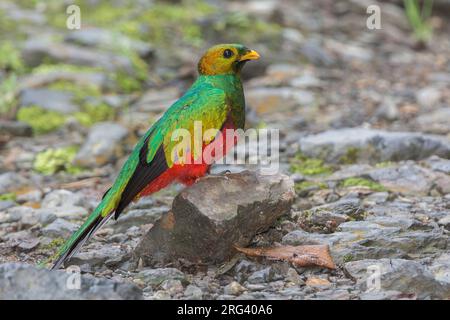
x,y
95,221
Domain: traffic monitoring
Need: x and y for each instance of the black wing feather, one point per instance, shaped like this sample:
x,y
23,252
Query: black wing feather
x,y
144,174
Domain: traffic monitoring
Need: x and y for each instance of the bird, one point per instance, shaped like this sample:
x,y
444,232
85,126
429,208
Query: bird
x,y
215,100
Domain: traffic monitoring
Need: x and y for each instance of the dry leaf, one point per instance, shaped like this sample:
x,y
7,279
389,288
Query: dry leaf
x,y
302,256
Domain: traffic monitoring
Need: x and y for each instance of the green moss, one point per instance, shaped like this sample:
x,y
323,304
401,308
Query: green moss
x,y
303,186
8,28
80,92
8,197
350,156
93,113
41,120
166,21
53,160
361,182
10,59
245,28
384,164
8,93
126,83
309,166
62,67
348,257
54,244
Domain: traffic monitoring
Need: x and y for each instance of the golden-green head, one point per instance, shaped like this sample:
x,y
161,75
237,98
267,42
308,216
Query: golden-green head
x,y
225,59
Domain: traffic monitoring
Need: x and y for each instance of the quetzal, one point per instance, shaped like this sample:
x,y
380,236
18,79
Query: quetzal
x,y
216,99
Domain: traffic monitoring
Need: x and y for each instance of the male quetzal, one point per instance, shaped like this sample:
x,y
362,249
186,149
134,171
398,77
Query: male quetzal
x,y
216,99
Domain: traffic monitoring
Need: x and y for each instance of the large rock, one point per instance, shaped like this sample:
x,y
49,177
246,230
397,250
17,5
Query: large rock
x,y
105,39
270,100
25,282
213,215
437,121
82,78
52,100
409,178
369,145
15,128
406,276
12,181
103,144
36,51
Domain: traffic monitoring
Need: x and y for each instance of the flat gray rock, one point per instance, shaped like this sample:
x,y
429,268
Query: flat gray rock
x,y
52,100
406,276
26,282
369,145
103,145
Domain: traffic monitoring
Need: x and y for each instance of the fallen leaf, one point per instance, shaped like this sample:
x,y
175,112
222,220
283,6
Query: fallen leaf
x,y
302,256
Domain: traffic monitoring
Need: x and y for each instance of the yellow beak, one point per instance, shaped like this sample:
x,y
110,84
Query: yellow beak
x,y
251,55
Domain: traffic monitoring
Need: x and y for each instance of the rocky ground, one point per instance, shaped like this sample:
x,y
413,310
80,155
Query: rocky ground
x,y
364,120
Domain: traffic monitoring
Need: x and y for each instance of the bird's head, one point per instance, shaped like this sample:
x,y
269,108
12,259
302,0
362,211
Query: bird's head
x,y
225,59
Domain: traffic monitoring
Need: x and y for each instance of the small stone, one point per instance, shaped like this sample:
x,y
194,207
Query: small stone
x,y
59,228
28,245
155,277
234,289
103,145
270,100
105,255
293,277
428,97
161,295
438,164
46,217
15,128
58,198
172,286
261,276
193,292
445,221
436,121
33,195
11,181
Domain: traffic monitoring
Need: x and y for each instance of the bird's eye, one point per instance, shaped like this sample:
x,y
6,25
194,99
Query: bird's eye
x,y
227,53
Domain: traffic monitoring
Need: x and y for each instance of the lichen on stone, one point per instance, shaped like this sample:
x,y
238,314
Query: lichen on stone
x,y
52,161
362,182
10,196
41,120
309,166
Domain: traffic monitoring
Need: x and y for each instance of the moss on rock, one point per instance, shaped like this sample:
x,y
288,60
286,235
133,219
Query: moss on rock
x,y
309,166
41,120
51,161
362,182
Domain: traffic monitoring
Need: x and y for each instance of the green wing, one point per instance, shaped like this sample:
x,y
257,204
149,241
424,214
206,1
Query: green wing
x,y
152,155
